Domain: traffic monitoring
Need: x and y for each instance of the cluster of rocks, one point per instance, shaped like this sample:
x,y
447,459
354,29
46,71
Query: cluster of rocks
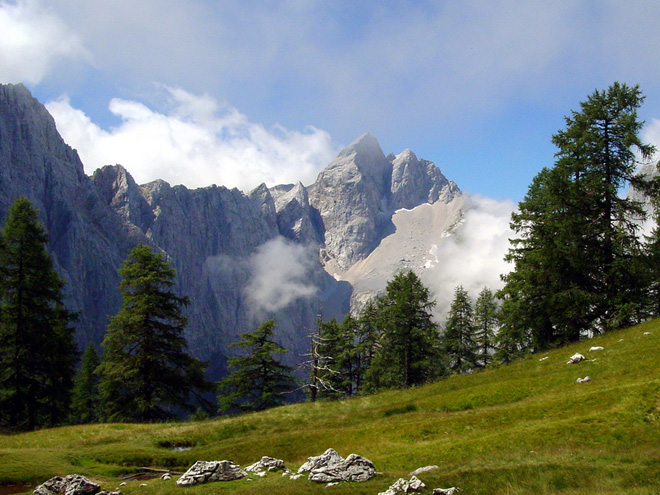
x,y
405,486
329,467
577,357
73,484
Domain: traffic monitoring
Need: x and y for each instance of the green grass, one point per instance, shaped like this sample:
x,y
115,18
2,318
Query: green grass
x,y
526,428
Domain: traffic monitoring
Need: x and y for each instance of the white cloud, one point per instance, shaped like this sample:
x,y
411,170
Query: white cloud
x,y
34,42
280,274
196,142
474,256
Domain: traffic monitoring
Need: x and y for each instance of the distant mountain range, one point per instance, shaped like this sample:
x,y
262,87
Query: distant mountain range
x,y
289,252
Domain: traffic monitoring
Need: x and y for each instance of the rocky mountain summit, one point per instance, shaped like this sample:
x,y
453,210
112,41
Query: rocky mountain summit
x,y
285,252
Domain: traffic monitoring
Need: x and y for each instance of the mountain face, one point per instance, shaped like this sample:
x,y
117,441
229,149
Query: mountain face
x,y
287,252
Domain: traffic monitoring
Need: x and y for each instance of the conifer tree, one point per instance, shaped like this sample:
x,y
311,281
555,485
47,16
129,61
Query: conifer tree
x,y
367,335
145,371
485,322
458,341
408,346
577,258
339,362
85,397
37,348
257,380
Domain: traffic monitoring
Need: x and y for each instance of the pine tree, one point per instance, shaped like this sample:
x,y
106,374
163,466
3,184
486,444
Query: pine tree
x,y
485,321
458,342
407,349
85,397
145,371
577,258
257,380
37,348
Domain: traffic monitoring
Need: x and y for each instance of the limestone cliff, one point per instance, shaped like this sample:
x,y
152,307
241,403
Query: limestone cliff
x,y
241,258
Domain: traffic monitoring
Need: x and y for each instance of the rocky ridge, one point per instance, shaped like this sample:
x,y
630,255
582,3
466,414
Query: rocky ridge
x,y
214,235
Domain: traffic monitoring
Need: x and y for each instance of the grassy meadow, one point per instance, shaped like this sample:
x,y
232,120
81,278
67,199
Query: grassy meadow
x,y
525,428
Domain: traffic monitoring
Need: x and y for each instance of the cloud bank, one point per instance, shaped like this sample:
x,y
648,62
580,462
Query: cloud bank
x,y
280,273
34,42
196,141
474,256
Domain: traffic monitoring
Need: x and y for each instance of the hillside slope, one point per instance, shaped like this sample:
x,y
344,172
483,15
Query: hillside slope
x,y
520,429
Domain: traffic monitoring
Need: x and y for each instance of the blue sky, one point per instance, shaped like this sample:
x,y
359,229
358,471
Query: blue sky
x,y
240,92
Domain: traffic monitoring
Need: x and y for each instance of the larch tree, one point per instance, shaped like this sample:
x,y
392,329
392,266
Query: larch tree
x,y
85,397
458,342
37,347
257,380
486,324
407,350
577,259
146,372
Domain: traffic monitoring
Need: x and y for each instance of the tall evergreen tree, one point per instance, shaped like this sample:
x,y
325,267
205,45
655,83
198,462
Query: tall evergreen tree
x,y
407,350
257,380
458,342
339,362
145,370
85,397
485,322
577,256
37,348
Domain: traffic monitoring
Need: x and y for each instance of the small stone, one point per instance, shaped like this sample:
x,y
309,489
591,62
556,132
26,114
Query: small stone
x,y
446,491
576,358
423,470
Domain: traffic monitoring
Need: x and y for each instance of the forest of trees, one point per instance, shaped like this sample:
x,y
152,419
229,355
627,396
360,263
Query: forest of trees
x,y
579,266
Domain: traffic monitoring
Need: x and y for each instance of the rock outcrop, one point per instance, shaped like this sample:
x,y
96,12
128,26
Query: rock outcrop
x,y
267,463
403,486
73,484
208,471
330,467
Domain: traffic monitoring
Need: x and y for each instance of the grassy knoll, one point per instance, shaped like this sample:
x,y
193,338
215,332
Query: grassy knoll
x,y
526,428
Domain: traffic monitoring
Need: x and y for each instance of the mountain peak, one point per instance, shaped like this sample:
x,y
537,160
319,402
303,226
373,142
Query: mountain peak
x,y
366,144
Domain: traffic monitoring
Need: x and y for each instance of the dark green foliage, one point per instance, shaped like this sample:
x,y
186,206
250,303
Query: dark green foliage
x,y
577,259
486,324
37,348
407,350
257,381
145,370
85,397
458,343
343,353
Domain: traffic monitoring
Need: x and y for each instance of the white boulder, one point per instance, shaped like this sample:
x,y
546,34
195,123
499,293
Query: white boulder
x,y
576,358
207,471
330,467
446,491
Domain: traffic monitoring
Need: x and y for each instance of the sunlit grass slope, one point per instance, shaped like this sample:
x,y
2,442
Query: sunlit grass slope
x,y
526,428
